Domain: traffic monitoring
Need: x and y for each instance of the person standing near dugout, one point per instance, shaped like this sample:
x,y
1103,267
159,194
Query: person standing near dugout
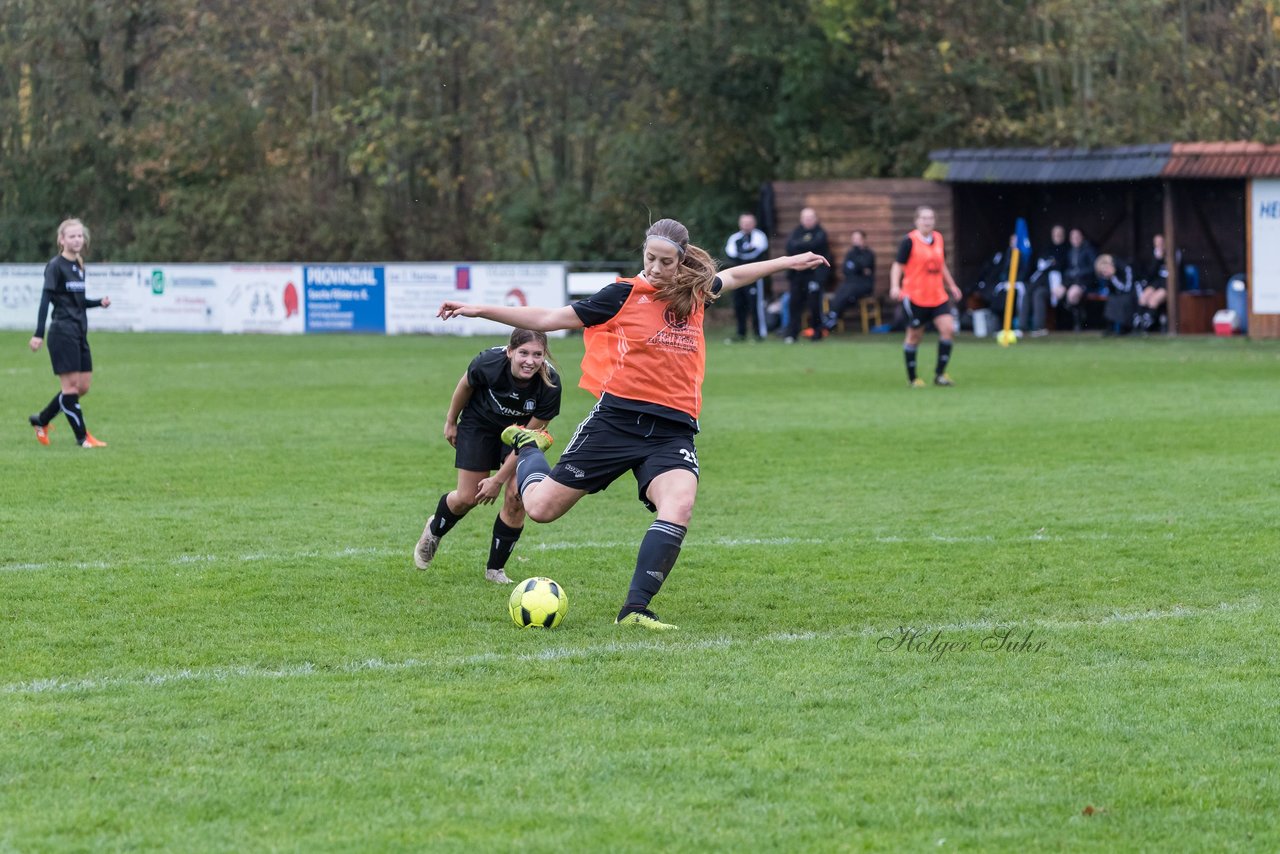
x,y
645,360
516,384
745,245
64,289
807,288
920,278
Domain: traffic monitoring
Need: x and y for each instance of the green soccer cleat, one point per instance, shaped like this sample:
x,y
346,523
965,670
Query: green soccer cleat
x,y
942,379
644,618
518,436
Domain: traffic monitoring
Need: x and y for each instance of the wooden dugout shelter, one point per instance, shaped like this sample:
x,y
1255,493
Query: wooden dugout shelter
x,y
1201,196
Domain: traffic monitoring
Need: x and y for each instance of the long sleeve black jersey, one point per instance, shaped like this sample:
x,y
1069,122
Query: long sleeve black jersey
x,y
64,290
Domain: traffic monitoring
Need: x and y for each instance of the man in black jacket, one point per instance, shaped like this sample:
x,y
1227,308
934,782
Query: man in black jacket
x,y
1045,287
807,285
858,277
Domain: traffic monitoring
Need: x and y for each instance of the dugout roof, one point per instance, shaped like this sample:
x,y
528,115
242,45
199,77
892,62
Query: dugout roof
x,y
1159,161
1194,193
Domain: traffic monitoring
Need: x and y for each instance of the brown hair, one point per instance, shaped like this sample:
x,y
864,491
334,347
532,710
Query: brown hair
x,y
691,285
524,336
63,226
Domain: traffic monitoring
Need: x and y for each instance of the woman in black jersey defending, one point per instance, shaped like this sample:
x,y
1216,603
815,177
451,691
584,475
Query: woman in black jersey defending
x,y
516,384
64,283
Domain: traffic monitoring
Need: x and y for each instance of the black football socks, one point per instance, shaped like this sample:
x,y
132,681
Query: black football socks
x,y
70,405
50,412
445,519
944,357
504,540
658,553
909,353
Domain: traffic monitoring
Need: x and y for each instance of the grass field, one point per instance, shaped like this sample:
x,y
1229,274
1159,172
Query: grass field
x,y
214,638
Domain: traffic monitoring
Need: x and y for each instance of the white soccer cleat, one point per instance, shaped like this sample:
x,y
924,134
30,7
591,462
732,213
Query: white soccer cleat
x,y
497,576
426,548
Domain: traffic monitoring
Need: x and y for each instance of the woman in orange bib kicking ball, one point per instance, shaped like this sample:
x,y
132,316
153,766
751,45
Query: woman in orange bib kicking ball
x,y
645,360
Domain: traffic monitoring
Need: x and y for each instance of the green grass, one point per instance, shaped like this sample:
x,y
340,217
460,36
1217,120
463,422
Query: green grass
x,y
214,639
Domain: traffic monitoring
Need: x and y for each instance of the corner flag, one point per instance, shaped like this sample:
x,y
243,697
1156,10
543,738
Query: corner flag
x,y
1021,247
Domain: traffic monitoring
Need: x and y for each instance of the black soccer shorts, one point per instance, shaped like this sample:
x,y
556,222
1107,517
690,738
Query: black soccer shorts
x,y
919,315
69,352
479,447
611,442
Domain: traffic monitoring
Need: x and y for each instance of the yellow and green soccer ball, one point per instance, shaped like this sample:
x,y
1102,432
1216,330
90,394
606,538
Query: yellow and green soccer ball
x,y
538,603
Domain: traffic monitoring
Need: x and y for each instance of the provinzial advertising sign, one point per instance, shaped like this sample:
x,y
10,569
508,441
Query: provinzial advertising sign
x,y
345,298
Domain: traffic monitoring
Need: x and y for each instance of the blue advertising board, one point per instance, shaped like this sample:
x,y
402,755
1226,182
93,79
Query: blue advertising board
x,y
346,298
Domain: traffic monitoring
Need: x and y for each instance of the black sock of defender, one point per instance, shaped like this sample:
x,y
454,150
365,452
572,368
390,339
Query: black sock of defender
x,y
909,353
50,412
504,540
944,357
70,405
445,518
658,552
531,466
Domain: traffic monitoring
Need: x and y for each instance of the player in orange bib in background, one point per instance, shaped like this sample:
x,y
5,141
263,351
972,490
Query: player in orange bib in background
x,y
645,359
920,278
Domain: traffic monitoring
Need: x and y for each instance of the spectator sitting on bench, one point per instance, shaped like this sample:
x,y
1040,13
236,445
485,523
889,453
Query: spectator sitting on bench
x,y
1079,277
858,275
1116,283
1044,286
1154,286
1000,292
993,282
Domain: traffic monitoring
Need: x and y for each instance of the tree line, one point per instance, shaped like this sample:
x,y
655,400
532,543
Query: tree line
x,y
191,130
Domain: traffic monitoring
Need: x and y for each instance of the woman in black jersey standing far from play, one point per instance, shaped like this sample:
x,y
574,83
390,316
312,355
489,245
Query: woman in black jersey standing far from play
x,y
68,336
516,384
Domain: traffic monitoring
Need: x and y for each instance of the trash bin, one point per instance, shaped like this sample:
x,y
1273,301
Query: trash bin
x,y
1238,300
982,320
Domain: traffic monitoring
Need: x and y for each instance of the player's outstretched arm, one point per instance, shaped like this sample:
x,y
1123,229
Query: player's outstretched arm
x,y
736,277
516,316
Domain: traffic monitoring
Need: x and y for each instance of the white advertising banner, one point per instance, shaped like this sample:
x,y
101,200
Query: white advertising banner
x,y
1265,251
184,297
123,283
415,292
262,298
20,286
273,298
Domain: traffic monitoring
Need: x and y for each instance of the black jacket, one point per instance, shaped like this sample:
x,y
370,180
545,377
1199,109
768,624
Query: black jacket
x,y
810,240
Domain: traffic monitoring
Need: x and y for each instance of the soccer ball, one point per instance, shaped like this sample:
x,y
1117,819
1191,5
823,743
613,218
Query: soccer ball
x,y
539,603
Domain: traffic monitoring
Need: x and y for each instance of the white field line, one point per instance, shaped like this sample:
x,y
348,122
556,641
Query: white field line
x,y
564,653
712,542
